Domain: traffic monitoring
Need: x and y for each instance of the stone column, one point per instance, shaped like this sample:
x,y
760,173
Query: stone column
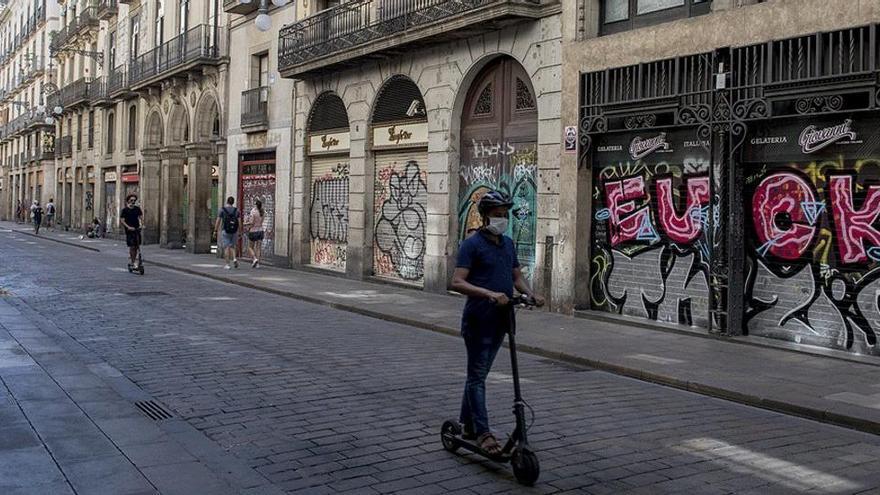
x,y
199,158
150,176
222,193
171,227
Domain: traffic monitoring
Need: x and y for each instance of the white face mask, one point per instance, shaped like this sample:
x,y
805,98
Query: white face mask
x,y
497,225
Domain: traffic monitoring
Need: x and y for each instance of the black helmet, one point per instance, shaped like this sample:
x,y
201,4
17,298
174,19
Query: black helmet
x,y
493,199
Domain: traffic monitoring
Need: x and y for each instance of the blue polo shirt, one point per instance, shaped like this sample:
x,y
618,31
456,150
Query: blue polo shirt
x,y
490,266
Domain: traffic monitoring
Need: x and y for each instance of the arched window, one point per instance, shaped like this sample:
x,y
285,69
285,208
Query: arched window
x,y
132,128
111,132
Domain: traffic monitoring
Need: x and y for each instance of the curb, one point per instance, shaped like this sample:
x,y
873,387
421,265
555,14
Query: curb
x,y
59,241
814,414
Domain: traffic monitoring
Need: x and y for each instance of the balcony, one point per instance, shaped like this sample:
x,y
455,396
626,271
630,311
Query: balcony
x,y
88,18
117,83
76,93
178,56
64,147
99,92
342,35
62,36
236,7
255,108
107,9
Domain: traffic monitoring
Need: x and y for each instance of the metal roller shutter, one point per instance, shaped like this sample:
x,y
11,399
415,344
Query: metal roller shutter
x,y
401,214
328,212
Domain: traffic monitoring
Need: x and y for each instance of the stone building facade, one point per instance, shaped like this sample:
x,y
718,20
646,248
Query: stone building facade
x,y
260,130
26,141
403,121
142,86
727,166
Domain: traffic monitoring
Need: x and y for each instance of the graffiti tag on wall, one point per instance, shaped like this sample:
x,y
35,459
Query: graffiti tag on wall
x,y
650,248
401,222
328,226
813,241
512,169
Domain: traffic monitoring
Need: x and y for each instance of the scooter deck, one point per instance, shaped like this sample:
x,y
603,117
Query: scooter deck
x,y
473,447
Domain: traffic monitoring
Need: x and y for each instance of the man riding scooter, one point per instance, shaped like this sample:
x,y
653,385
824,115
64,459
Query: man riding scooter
x,y
487,271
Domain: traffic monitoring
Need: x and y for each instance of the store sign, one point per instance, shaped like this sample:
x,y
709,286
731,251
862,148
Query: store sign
x,y
336,142
130,178
813,139
640,147
400,135
110,176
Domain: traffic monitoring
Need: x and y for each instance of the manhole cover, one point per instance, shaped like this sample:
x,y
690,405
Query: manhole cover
x,y
146,293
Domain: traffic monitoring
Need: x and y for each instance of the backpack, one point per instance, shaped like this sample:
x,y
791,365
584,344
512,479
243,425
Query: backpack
x,y
50,209
230,220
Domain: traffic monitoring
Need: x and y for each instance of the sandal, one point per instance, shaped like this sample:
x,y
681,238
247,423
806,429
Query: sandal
x,y
489,444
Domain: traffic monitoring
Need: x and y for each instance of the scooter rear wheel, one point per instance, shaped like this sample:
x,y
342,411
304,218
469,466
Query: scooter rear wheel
x,y
525,466
450,428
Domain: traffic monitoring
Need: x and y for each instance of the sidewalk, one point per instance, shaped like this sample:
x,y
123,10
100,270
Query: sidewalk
x,y
827,386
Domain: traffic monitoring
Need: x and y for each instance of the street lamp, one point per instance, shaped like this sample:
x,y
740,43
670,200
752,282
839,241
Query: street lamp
x,y
263,21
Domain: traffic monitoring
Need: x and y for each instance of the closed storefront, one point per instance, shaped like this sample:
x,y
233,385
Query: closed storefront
x,y
130,181
812,236
400,212
328,205
257,181
499,151
399,140
111,204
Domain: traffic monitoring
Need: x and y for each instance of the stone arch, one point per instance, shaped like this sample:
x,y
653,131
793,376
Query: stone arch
x,y
178,132
154,135
208,118
389,104
333,113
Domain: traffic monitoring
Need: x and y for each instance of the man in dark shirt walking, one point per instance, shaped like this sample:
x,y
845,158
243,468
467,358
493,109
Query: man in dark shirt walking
x,y
487,272
131,218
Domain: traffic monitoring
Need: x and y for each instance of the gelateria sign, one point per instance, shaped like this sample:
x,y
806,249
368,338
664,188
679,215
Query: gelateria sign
x,y
331,142
400,135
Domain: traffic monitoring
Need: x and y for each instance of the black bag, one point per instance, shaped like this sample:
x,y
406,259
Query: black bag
x,y
230,221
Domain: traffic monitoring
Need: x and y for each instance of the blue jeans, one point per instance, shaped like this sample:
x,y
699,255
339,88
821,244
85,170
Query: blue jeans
x,y
481,352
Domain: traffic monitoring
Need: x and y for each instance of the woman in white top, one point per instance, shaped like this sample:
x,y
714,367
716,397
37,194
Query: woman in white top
x,y
254,229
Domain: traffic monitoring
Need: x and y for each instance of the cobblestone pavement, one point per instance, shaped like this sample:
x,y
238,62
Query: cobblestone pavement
x,y
323,401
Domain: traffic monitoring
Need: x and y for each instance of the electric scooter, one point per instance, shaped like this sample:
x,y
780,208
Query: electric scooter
x,y
516,450
139,266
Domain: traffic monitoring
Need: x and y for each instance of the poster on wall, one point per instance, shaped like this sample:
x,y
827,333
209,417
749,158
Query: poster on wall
x,y
649,237
812,203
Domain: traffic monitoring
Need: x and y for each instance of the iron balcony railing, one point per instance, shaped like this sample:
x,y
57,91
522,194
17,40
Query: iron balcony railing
x,y
64,146
76,92
107,9
98,89
255,106
199,43
360,21
62,36
87,18
117,81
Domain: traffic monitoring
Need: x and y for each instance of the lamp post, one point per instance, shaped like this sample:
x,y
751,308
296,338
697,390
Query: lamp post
x,y
263,21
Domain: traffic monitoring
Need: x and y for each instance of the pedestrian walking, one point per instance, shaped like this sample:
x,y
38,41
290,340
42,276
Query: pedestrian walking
x,y
227,218
253,226
50,214
37,216
18,211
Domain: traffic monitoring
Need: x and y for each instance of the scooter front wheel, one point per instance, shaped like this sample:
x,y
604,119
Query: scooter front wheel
x,y
450,429
525,466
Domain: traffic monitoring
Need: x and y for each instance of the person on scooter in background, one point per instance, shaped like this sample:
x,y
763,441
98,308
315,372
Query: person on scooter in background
x,y
487,271
132,219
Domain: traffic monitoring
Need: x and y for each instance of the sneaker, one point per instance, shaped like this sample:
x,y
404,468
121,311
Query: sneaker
x,y
227,267
255,263
235,263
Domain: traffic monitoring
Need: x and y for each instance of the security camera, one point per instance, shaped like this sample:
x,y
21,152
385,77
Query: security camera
x,y
415,108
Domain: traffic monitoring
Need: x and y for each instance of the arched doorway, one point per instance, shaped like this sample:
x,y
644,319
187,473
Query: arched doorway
x,y
328,151
499,150
399,132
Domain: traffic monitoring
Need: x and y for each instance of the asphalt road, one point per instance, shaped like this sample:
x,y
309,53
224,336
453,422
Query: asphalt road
x,y
324,401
